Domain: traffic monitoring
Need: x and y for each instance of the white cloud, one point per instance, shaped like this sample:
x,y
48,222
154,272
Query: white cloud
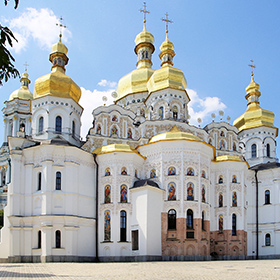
x,y
89,101
39,25
105,83
203,108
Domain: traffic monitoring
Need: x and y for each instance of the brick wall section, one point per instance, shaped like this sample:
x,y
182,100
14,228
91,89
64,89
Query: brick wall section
x,y
175,242
226,244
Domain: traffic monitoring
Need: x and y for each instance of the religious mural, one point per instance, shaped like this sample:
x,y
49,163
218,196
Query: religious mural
x,y
234,179
123,193
98,129
107,172
203,174
124,171
234,199
171,191
171,171
107,225
203,193
221,224
129,133
153,173
221,180
190,187
114,118
190,171
221,203
107,194
114,131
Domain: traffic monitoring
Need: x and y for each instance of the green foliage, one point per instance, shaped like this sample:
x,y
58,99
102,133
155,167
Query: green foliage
x,y
1,218
7,68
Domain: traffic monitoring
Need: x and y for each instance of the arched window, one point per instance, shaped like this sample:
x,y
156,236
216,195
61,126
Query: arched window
x,y
160,113
267,197
203,194
39,181
267,150
175,112
221,224
233,225
172,219
58,124
234,199
22,127
107,194
107,225
58,181
123,226
39,239
41,124
254,151
189,219
58,239
123,193
221,203
202,221
73,129
3,177
267,239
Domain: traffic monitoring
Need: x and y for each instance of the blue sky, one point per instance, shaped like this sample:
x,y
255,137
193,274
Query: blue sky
x,y
214,43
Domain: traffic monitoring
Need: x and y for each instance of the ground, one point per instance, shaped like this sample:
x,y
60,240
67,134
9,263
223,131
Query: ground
x,y
261,269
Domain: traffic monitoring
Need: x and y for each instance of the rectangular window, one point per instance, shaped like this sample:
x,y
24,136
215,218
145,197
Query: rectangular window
x,y
135,240
190,234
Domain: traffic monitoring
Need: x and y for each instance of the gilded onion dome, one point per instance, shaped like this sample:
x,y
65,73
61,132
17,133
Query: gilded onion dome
x,y
136,81
167,76
254,116
23,92
174,134
115,148
57,83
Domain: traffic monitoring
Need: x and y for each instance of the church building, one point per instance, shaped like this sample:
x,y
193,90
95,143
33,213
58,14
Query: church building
x,y
145,185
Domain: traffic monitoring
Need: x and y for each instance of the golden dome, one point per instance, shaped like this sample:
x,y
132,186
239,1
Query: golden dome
x,y
23,92
254,116
57,83
115,148
144,37
134,82
174,134
167,77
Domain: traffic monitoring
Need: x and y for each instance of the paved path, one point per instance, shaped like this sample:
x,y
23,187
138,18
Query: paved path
x,y
237,270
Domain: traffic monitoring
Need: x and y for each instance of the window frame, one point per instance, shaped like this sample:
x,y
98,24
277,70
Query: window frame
x,y
254,151
267,197
58,124
41,125
58,179
123,226
58,239
234,224
172,219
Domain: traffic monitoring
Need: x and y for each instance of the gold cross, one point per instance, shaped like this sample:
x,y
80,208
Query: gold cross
x,y
144,11
61,26
166,21
25,64
252,67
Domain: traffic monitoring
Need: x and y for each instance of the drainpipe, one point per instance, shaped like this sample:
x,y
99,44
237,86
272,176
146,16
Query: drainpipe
x,y
96,209
257,215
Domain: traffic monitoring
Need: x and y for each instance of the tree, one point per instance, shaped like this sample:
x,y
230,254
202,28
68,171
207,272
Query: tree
x,y
7,68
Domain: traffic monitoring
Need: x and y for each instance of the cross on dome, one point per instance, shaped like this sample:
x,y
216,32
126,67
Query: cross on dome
x,y
166,21
252,67
25,64
61,26
144,11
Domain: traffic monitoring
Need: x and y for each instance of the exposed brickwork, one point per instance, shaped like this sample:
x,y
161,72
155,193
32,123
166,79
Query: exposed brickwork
x,y
226,244
175,242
